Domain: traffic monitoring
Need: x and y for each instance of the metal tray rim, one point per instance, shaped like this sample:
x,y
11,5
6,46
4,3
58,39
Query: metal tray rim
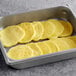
x,y
34,58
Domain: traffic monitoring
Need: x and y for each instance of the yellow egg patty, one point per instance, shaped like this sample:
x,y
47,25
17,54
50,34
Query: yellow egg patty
x,y
38,30
29,32
20,52
68,29
11,35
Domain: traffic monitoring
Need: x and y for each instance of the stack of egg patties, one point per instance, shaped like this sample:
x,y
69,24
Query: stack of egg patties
x,y
55,35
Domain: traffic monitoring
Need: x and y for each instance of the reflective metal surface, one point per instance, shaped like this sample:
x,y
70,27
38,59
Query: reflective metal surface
x,y
56,12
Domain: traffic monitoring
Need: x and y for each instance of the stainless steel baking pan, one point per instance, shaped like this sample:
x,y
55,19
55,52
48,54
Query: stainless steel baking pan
x,y
44,14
